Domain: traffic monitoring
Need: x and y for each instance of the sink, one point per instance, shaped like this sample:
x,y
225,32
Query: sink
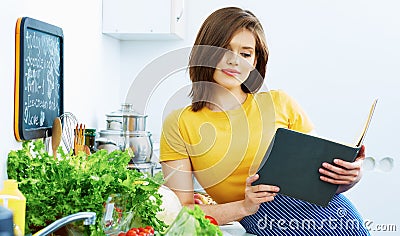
x,y
88,217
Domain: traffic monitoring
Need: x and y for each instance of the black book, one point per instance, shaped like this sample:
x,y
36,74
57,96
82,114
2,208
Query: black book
x,y
293,158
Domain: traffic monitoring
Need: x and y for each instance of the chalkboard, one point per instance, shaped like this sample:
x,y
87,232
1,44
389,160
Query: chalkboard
x,y
39,77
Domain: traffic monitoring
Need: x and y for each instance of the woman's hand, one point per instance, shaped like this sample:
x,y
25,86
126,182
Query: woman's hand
x,y
346,174
255,195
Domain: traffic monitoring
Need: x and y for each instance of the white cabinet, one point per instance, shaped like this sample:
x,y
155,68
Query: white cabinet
x,y
144,19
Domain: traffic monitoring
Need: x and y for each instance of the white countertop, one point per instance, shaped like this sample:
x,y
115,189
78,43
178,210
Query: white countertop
x,y
233,229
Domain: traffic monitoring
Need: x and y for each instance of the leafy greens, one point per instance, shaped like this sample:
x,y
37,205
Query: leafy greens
x,y
55,188
192,222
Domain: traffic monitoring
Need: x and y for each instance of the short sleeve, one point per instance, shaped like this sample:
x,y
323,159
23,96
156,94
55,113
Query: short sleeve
x,y
292,112
172,145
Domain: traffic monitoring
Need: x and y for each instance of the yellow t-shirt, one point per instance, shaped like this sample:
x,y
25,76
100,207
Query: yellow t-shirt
x,y
226,147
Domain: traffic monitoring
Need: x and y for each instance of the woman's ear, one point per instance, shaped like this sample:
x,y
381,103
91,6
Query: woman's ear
x,y
255,62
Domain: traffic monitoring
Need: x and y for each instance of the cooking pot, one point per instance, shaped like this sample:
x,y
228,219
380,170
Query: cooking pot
x,y
126,119
139,142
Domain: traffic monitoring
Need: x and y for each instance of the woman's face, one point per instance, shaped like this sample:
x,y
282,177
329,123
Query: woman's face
x,y
238,61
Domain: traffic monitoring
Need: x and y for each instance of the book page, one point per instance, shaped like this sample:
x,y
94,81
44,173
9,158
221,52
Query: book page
x,y
360,140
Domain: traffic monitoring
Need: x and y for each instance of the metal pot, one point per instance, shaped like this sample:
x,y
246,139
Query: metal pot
x,y
139,142
126,119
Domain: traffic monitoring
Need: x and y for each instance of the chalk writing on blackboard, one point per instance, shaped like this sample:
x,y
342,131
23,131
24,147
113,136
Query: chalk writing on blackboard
x,y
42,72
40,78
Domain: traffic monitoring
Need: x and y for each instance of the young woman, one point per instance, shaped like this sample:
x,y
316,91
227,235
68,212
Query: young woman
x,y
221,138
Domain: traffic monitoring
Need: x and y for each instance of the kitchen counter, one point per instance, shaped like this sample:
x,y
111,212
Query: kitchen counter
x,y
233,229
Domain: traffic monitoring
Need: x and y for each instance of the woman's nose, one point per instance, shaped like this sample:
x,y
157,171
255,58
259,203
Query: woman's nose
x,y
232,58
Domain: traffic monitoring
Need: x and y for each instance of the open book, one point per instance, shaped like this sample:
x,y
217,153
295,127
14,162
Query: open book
x,y
292,161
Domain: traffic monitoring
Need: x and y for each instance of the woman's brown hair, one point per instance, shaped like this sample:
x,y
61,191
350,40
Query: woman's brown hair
x,y
212,39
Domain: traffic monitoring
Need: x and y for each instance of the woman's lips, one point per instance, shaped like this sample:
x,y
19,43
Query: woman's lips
x,y
231,72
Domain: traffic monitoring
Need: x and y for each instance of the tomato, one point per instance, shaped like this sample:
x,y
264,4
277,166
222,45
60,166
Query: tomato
x,y
117,209
212,220
122,234
146,231
131,233
151,229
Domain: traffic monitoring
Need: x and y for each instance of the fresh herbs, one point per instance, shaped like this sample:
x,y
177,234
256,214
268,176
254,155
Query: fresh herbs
x,y
71,184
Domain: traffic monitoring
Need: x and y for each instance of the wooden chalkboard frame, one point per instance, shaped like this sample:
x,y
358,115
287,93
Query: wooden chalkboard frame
x,y
21,132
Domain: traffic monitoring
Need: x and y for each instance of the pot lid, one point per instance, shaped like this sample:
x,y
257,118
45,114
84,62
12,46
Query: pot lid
x,y
126,110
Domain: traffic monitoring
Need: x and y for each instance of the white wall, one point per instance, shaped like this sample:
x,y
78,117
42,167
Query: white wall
x,y
91,62
333,57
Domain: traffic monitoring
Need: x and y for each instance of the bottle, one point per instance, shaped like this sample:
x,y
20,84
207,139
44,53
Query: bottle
x,y
12,199
6,222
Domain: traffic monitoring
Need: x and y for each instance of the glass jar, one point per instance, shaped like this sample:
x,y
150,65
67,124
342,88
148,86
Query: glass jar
x,y
90,138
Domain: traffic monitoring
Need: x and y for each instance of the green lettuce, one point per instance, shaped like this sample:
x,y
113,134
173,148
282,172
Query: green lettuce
x,y
55,188
192,222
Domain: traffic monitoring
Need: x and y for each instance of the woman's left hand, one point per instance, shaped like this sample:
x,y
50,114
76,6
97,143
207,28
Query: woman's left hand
x,y
343,173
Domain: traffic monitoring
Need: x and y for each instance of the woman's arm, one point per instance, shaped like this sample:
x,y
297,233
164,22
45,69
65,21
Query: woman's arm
x,y
178,176
346,174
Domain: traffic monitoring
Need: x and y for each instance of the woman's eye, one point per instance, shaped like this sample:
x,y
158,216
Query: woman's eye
x,y
245,54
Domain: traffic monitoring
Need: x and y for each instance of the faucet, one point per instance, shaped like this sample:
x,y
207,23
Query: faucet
x,y
88,217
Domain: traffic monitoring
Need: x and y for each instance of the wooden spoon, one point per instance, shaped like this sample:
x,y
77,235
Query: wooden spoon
x,y
86,149
56,134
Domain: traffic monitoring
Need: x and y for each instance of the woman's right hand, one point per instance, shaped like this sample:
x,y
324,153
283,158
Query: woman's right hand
x,y
255,195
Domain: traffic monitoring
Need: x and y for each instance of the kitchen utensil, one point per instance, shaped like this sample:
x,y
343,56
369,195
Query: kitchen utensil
x,y
139,142
126,131
78,147
56,134
79,140
126,119
86,149
69,121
